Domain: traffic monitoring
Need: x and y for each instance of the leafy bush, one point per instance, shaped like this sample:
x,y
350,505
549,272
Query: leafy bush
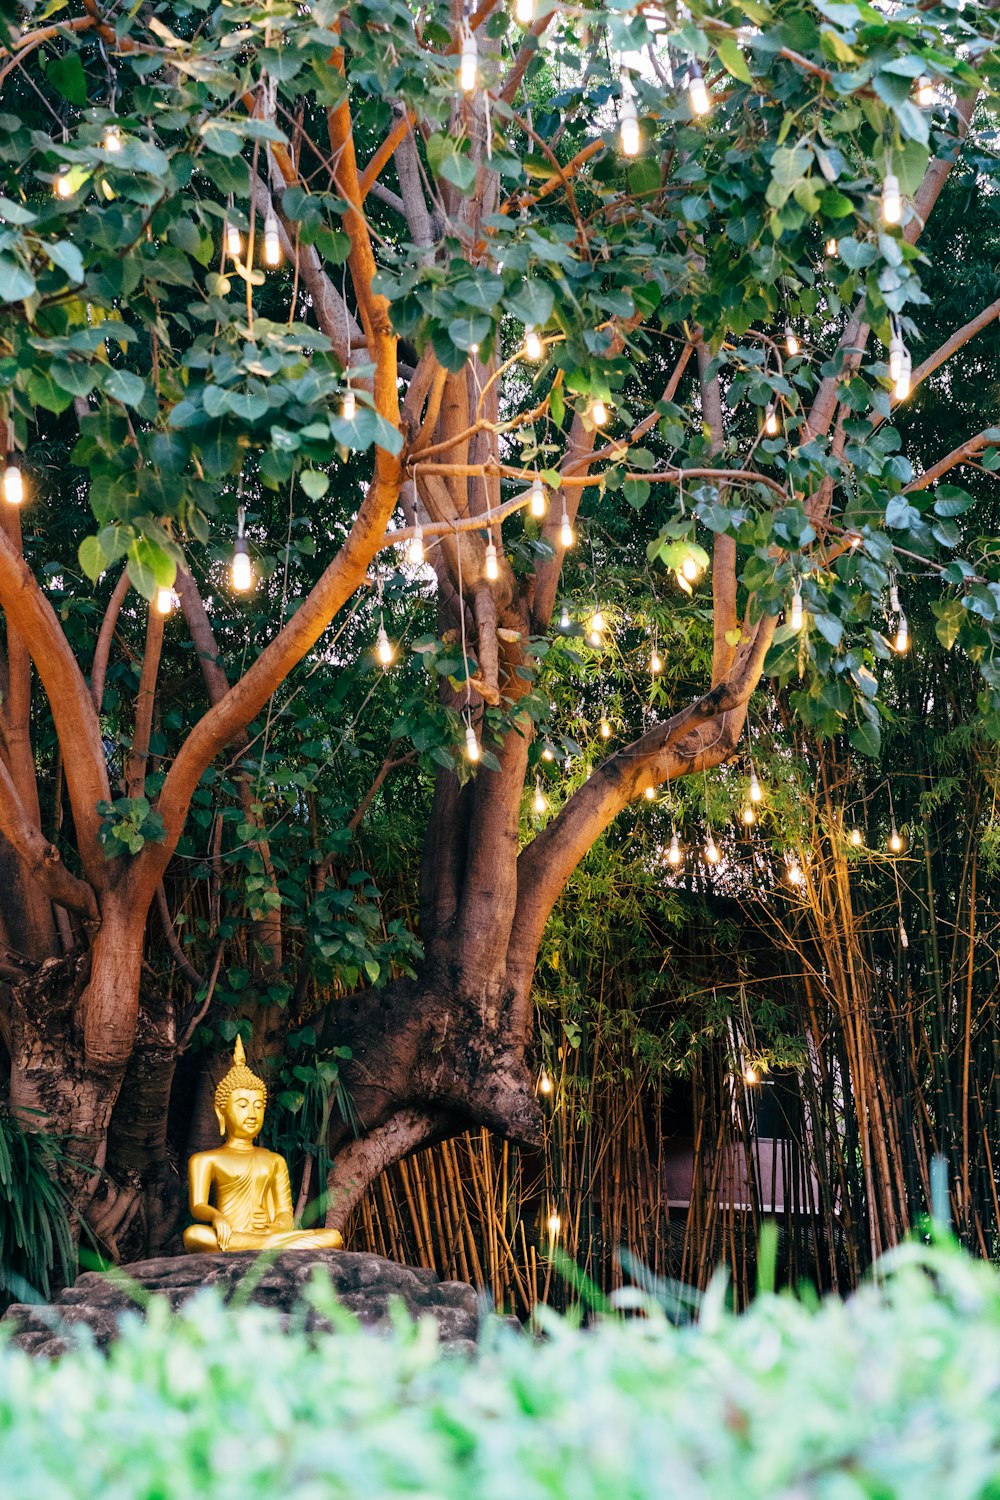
x,y
895,1393
35,1236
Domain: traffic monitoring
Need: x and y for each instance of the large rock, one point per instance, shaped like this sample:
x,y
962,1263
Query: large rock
x,y
365,1284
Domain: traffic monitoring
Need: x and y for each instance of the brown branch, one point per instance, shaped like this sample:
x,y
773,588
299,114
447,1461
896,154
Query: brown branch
x,y
724,547
135,773
102,650
41,859
177,953
951,460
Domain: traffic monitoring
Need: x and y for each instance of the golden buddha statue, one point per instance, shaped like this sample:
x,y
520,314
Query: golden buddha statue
x,y
253,1196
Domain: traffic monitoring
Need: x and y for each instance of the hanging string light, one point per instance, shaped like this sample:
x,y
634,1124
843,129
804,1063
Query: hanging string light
x,y
857,838
349,406
598,413
749,816
791,339
234,241
272,240
756,790
164,601
468,66
540,803
383,647
697,92
771,421
544,1083
524,11
674,852
832,247
242,568
628,121
793,871
605,728
566,537
564,619
924,92
597,622
13,482
750,1074
63,186
415,546
650,793
902,641
548,753
892,200
538,501
796,617
895,840
533,347
691,568
471,743
655,664
712,855
554,1225
492,562
112,139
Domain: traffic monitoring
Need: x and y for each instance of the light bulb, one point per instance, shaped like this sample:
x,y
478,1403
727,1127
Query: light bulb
x,y
892,202
895,842
595,639
566,537
532,343
691,568
13,485
856,838
540,803
242,569
894,597
674,852
272,243
555,1224
831,247
655,664
471,743
605,729
63,186
698,95
795,619
902,388
597,622
564,620
794,872
650,793
547,754
750,1074
791,339
598,413
629,122
524,11
469,64
771,422
924,94
537,499
473,349
383,647
164,601
492,565
234,242
749,816
756,791
350,405
415,548
544,1083
902,641
712,855
896,352
112,140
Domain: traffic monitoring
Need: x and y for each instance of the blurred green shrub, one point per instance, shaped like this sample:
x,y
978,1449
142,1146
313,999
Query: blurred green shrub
x,y
36,1243
894,1394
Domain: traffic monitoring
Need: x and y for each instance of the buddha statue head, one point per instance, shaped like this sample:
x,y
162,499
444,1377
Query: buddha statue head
x,y
240,1099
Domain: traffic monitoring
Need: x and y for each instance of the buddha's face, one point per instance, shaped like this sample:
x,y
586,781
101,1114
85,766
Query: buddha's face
x,y
244,1114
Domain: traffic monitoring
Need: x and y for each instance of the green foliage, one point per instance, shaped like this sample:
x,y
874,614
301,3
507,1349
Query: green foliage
x,y
891,1394
127,824
36,1243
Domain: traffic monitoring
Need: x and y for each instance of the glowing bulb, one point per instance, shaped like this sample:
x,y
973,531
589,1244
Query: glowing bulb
x,y
272,243
650,793
234,242
795,619
794,872
749,816
598,413
469,64
629,122
856,838
383,647
540,803
112,140
892,202
605,730
924,94
532,343
547,754
895,842
349,406
698,95
544,1083
896,352
691,568
674,852
564,620
566,537
756,791
473,348
471,743
242,569
831,247
791,339
13,485
524,11
894,597
902,641
597,622
712,855
655,664
63,186
537,499
902,389
750,1074
415,548
164,601
492,564
771,422
555,1225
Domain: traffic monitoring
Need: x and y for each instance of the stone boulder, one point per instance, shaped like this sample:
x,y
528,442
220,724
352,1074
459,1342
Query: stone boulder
x,y
365,1284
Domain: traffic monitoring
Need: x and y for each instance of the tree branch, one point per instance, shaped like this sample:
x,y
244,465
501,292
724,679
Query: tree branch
x,y
135,773
102,651
41,859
